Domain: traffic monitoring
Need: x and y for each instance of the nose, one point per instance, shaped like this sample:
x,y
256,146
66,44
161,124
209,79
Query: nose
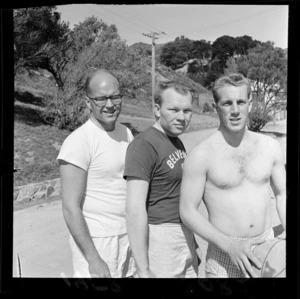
x,y
180,115
109,103
235,109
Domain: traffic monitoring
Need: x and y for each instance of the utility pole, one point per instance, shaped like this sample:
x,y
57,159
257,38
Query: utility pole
x,y
153,37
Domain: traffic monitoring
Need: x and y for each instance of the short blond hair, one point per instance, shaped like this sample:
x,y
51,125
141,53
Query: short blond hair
x,y
234,79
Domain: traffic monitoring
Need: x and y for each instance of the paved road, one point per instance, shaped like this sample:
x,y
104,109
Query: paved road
x,y
41,236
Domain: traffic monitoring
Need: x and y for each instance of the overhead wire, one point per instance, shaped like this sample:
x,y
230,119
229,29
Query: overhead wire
x,y
121,7
105,8
101,15
239,20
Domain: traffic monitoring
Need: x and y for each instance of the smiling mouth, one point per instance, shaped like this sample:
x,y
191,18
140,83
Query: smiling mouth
x,y
109,112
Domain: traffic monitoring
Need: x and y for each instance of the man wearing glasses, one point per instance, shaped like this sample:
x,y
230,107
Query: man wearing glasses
x,y
93,189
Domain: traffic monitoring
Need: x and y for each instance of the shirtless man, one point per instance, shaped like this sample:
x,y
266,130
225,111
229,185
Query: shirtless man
x,y
232,171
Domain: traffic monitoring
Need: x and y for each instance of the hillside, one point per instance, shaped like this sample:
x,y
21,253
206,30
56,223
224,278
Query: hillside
x,y
146,49
36,144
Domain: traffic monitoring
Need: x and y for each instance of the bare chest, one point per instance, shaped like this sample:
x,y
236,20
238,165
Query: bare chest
x,y
230,168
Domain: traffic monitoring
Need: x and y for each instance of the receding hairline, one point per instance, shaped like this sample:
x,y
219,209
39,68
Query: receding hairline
x,y
102,74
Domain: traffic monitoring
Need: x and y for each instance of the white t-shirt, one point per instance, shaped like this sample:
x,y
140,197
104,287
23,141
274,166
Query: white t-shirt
x,y
102,155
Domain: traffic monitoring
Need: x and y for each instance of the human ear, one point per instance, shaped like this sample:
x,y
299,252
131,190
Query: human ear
x,y
88,102
156,110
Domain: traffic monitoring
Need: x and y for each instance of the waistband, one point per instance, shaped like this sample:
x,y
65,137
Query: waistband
x,y
167,224
262,236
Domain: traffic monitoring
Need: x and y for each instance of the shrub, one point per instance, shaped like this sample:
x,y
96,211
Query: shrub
x,y
207,108
258,117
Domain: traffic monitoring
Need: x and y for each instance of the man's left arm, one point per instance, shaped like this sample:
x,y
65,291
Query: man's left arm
x,y
278,183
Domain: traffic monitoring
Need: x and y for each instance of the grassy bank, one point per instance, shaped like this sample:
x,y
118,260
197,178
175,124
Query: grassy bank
x,y
36,144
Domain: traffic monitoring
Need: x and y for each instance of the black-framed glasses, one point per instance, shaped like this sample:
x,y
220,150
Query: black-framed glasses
x,y
101,101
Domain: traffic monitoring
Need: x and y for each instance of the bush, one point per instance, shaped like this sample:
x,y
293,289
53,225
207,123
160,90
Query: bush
x,y
65,114
258,117
207,108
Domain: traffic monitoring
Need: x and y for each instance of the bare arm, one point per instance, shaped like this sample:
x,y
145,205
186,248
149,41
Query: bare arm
x,y
73,181
278,183
137,223
192,190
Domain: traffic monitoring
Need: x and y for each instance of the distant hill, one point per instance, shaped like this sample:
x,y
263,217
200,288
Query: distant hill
x,y
146,49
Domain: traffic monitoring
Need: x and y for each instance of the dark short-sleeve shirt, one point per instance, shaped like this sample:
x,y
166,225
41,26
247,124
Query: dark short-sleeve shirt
x,y
157,158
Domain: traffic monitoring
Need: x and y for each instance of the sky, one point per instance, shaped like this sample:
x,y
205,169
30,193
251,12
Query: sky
x,y
196,22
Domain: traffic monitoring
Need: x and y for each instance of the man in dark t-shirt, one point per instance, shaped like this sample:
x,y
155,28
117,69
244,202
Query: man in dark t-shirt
x,y
162,246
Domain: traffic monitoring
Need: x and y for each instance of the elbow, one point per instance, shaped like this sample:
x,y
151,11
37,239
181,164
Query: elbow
x,y
70,211
184,215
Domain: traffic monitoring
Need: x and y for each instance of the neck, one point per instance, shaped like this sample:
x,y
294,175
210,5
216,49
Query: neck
x,y
159,127
233,138
103,126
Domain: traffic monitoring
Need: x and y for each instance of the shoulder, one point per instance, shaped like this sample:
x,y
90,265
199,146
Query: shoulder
x,y
79,133
265,140
268,144
200,156
206,147
146,136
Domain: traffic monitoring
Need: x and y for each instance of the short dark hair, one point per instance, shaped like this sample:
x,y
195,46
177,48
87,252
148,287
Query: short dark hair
x,y
234,79
178,86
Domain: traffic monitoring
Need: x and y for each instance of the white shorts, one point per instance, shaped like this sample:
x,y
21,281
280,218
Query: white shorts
x,y
172,251
114,251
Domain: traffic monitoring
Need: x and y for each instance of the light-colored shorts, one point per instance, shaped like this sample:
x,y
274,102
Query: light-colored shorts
x,y
219,262
172,251
115,251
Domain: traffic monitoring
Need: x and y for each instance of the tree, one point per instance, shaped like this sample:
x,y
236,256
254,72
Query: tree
x,y
266,67
243,43
222,48
174,54
201,49
34,28
104,49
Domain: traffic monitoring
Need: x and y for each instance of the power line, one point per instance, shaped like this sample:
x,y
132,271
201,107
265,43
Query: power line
x,y
105,8
136,18
239,20
118,21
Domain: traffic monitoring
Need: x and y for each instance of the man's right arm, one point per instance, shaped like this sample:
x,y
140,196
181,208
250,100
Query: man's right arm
x,y
137,224
73,181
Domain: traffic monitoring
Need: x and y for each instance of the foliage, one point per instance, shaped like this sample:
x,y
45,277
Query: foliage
x,y
201,49
104,49
243,43
207,108
174,54
266,67
33,28
258,117
222,48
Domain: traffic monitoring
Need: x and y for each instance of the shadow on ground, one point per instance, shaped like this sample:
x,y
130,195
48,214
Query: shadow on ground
x,y
28,98
29,115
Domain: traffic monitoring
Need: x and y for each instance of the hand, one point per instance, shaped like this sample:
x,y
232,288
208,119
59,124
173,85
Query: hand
x,y
146,274
99,269
282,235
242,256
